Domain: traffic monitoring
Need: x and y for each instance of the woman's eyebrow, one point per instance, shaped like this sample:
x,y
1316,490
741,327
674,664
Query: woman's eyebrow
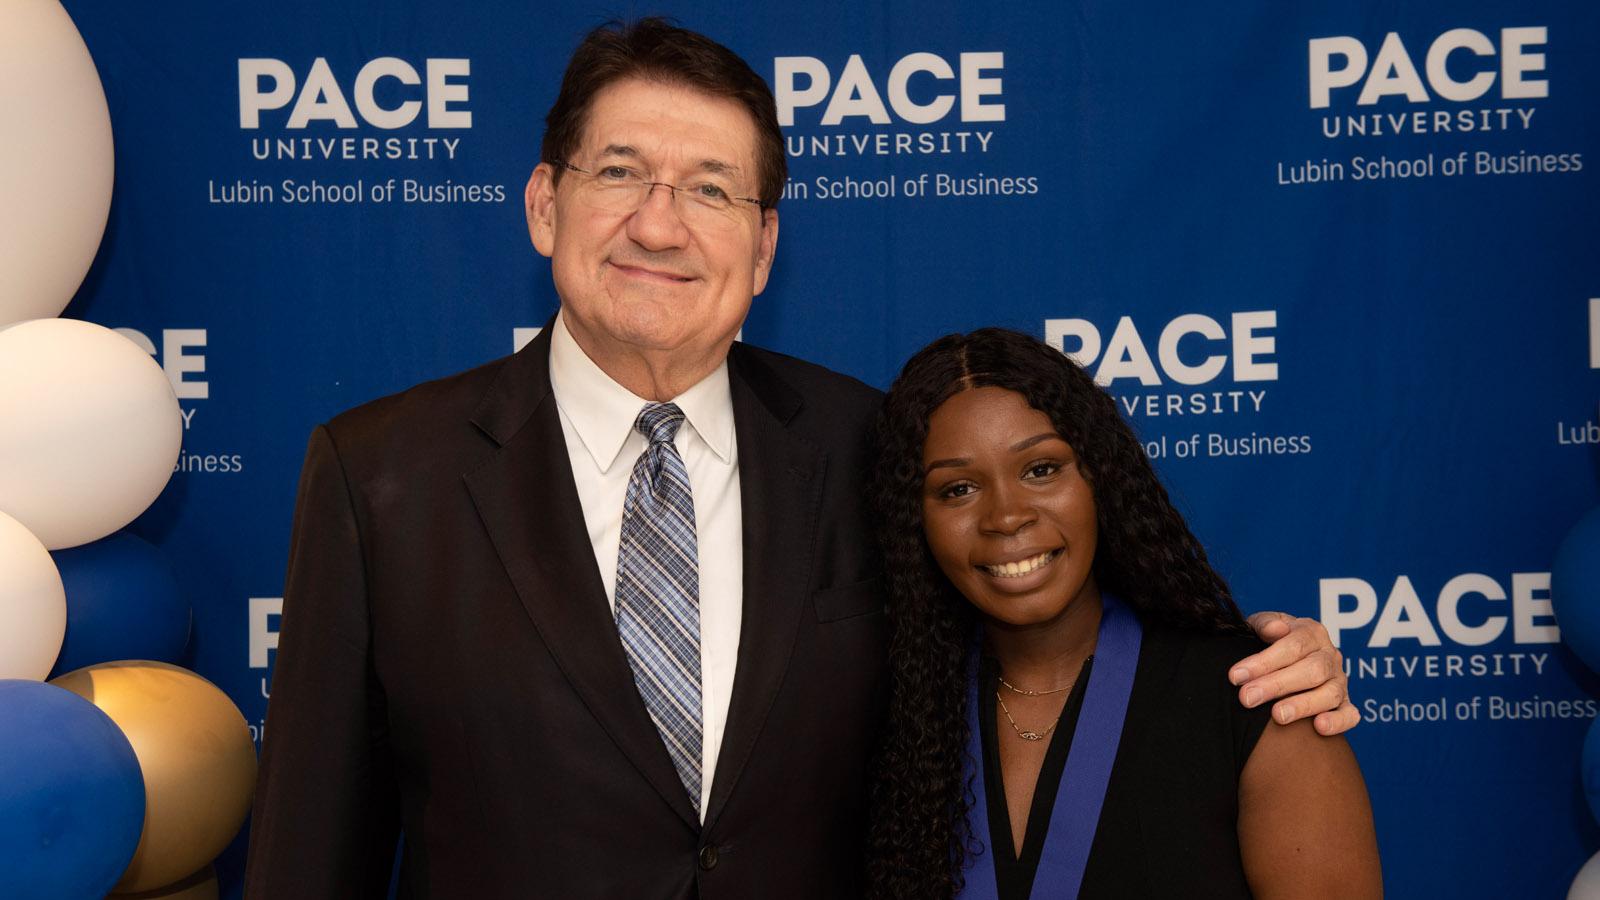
x,y
955,462
1024,444
952,463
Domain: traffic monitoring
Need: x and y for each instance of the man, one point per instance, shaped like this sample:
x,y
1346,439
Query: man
x,y
604,619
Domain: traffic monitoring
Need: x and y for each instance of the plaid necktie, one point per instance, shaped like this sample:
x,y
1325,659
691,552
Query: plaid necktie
x,y
658,591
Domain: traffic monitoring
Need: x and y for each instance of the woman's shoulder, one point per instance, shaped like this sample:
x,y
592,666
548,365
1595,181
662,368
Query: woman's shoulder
x,y
1199,652
1183,683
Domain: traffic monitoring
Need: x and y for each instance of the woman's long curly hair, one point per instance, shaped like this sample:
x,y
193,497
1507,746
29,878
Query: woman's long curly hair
x,y
921,836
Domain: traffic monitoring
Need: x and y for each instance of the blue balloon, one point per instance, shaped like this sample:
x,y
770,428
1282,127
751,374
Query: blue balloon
x,y
1591,768
1574,589
122,603
71,795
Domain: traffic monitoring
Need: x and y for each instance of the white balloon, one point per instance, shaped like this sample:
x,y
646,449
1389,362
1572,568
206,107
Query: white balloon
x,y
89,430
56,162
33,605
1587,885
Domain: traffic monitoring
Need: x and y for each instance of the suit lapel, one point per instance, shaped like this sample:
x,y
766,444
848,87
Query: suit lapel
x,y
529,504
780,482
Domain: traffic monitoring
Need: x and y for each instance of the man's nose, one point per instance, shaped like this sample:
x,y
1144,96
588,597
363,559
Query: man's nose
x,y
656,225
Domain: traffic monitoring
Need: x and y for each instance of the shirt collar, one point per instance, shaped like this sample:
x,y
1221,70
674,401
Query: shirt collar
x,y
602,412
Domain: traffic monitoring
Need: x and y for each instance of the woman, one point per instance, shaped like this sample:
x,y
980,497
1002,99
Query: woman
x,y
1060,715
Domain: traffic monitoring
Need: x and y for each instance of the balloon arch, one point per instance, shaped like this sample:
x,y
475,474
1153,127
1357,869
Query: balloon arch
x,y
122,773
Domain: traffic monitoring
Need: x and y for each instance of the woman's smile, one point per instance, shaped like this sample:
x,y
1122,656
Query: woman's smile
x,y
1016,571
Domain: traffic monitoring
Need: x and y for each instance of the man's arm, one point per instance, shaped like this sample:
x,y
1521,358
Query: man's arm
x,y
1303,667
326,809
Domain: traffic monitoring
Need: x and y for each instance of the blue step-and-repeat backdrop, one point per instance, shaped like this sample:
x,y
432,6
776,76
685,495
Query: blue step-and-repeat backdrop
x,y
1337,262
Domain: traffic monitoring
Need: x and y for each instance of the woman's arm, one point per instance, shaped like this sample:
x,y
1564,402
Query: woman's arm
x,y
1305,824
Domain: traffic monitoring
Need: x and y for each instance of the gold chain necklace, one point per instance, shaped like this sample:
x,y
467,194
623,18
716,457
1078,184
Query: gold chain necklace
x,y
1026,735
1034,735
1011,687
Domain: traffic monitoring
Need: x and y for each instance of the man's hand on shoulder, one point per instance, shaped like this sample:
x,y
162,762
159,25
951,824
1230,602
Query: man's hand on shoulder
x,y
1302,670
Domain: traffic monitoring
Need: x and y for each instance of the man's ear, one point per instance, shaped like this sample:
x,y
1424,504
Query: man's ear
x,y
766,249
539,202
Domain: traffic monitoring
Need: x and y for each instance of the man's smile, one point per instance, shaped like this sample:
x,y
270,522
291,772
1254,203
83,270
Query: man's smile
x,y
651,274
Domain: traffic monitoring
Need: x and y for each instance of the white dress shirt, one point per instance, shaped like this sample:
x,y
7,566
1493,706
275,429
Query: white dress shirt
x,y
597,417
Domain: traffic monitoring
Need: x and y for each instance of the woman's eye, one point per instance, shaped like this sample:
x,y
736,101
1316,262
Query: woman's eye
x,y
1043,470
959,489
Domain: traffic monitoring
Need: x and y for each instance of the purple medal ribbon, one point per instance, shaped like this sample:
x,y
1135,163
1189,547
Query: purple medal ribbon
x,y
1083,782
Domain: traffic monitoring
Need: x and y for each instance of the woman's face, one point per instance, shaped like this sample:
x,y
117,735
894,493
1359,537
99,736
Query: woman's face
x,y
1010,519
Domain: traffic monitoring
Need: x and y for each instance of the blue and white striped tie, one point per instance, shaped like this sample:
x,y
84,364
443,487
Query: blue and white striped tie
x,y
658,591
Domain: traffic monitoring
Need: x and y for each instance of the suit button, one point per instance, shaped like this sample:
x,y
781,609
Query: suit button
x,y
708,858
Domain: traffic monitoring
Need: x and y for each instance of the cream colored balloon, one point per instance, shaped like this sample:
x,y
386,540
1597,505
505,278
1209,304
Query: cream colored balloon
x,y
198,760
56,166
89,430
1586,886
202,885
33,605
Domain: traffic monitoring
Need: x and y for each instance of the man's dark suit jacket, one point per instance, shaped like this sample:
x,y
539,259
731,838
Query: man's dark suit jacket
x,y
448,665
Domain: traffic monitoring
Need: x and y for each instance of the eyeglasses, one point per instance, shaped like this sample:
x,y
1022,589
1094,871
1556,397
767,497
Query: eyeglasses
x,y
621,191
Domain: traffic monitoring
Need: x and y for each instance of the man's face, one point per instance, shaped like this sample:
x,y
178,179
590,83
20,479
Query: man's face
x,y
660,278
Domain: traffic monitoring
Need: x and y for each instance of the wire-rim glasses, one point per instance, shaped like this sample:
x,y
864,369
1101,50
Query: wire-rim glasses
x,y
623,190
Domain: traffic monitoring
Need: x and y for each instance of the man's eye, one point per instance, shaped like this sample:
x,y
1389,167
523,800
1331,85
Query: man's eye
x,y
616,173
709,191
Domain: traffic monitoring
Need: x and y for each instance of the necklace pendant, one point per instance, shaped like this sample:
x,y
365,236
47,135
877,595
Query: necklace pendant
x,y
1030,735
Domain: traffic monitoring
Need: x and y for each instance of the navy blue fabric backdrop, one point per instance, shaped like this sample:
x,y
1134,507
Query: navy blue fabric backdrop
x,y
1336,261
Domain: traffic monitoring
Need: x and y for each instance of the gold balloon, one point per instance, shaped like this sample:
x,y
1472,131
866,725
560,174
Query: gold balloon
x,y
198,760
202,885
